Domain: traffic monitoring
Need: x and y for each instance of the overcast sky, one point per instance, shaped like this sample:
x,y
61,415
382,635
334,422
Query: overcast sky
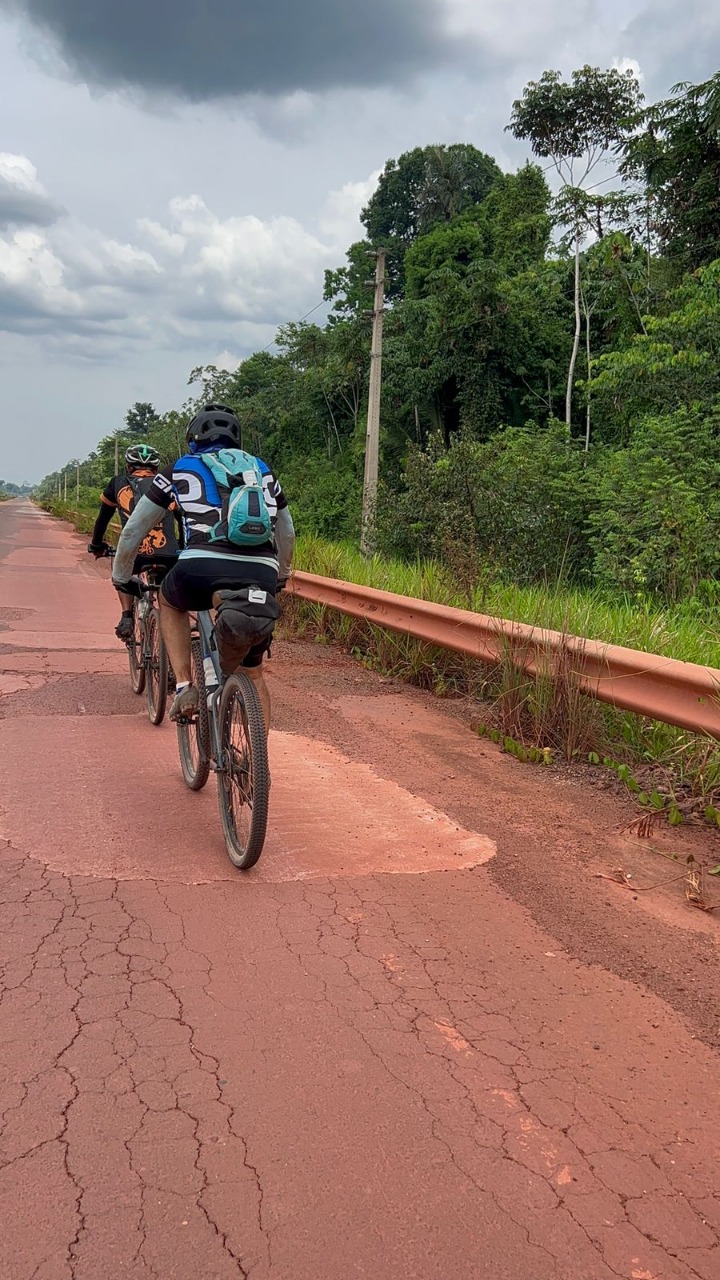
x,y
175,176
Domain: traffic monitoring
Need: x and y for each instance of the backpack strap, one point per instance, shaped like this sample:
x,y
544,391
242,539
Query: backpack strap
x,y
223,473
135,486
169,524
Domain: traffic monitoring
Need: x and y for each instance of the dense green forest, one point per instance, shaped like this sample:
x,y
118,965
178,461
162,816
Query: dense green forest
x,y
10,490
551,386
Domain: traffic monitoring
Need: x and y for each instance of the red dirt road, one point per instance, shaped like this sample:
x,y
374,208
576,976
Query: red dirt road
x,y
420,1041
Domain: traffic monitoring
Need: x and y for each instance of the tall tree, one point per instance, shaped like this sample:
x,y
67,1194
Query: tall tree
x,y
350,288
512,227
425,186
141,418
456,178
674,363
576,126
676,155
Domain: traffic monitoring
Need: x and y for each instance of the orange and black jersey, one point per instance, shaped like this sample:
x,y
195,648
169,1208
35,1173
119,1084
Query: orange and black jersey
x,y
121,494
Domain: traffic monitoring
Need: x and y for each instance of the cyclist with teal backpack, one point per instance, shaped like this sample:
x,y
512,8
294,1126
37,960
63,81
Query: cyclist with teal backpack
x,y
239,538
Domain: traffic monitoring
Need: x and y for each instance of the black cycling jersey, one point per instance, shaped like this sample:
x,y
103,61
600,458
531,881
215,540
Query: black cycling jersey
x,y
121,494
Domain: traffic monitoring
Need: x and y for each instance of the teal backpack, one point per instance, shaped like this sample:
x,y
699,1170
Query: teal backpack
x,y
245,519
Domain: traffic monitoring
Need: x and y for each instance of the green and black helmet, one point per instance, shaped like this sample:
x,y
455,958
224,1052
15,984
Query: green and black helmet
x,y
142,456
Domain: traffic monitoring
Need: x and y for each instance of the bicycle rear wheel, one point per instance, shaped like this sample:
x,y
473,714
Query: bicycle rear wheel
x,y
135,655
194,736
244,780
156,689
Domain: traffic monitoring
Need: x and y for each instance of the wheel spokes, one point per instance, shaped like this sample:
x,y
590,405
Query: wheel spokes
x,y
238,778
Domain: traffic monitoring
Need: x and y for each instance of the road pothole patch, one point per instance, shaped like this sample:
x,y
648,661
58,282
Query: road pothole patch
x,y
84,805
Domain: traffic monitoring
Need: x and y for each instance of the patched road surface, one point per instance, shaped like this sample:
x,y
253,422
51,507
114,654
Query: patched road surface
x,y
423,1040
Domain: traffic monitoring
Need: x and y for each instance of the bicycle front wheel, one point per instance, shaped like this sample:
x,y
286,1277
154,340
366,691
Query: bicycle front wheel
x,y
135,655
194,737
244,779
156,688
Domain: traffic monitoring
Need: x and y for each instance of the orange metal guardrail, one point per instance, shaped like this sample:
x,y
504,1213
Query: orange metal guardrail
x,y
678,693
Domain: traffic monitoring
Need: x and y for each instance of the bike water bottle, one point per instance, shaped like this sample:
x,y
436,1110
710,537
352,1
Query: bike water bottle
x,y
211,679
143,606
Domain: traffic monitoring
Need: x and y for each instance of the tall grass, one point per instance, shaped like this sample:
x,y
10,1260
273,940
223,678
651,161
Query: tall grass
x,y
547,709
690,631
82,517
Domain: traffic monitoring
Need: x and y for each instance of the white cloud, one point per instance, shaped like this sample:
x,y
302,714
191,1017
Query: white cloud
x,y
23,199
340,218
226,360
514,28
629,64
19,172
247,257
26,257
32,278
170,241
92,260
238,268
127,259
193,280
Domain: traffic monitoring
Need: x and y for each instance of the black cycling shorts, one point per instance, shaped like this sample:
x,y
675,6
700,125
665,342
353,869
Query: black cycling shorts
x,y
191,584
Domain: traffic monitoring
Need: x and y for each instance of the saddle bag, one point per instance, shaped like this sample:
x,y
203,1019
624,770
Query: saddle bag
x,y
243,619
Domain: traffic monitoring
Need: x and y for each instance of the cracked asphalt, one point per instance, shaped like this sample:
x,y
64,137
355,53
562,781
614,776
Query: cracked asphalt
x,y
420,1040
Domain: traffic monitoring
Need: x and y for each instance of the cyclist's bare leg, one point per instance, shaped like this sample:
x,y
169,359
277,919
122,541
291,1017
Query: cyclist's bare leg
x,y
263,693
175,628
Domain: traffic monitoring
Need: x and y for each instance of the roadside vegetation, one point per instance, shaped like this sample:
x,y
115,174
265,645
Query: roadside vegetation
x,y
10,490
550,446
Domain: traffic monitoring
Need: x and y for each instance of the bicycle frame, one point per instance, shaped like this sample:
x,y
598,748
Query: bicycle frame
x,y
150,592
208,645
149,598
149,666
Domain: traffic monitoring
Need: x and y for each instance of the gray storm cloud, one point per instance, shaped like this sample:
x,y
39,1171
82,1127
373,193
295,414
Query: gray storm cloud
x,y
677,41
23,201
228,48
25,208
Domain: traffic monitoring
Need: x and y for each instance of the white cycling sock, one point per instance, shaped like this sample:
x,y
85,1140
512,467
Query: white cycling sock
x,y
182,685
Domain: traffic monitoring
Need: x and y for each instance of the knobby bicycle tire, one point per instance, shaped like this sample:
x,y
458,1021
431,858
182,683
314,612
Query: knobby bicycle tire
x,y
135,655
156,687
244,781
194,738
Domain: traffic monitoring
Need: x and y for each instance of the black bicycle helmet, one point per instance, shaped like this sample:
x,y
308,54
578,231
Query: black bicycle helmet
x,y
214,422
141,456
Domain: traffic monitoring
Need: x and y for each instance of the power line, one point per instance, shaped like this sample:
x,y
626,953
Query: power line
x,y
311,312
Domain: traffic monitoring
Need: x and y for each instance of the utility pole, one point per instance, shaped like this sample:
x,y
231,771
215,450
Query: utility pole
x,y
372,436
117,465
65,479
77,485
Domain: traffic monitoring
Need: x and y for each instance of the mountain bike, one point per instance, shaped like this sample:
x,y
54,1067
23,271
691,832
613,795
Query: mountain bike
x,y
147,655
227,737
